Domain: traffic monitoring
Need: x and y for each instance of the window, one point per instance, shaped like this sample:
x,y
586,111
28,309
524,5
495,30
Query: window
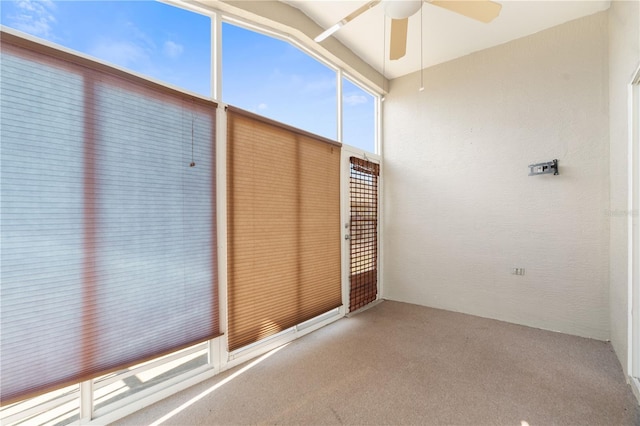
x,y
359,117
154,39
275,79
100,206
59,407
108,217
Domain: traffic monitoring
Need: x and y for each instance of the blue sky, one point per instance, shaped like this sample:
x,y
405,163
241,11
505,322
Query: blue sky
x,y
152,38
261,74
274,78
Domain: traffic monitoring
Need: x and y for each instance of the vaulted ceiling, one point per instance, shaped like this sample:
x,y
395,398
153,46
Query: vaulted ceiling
x,y
445,35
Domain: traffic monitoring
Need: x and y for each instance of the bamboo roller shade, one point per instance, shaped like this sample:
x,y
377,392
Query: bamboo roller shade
x,y
283,227
363,195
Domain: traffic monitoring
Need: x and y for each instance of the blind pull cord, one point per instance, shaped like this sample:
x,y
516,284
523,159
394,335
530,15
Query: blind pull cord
x,y
193,163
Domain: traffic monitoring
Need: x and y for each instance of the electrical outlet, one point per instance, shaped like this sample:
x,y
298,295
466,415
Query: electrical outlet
x,y
517,271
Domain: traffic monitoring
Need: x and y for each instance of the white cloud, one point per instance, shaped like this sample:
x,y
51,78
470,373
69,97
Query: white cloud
x,y
262,107
172,49
131,32
127,46
35,17
353,99
123,53
319,86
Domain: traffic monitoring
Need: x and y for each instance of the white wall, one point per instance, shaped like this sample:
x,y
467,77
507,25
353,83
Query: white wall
x,y
624,58
460,210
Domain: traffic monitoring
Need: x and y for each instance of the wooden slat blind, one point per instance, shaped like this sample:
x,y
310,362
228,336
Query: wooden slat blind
x,y
363,196
283,227
108,234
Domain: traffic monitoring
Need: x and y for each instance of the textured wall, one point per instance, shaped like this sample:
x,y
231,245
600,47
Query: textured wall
x,y
624,58
460,210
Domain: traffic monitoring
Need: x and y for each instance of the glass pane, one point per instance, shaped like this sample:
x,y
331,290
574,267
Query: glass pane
x,y
60,407
42,203
155,249
130,381
359,117
154,39
272,78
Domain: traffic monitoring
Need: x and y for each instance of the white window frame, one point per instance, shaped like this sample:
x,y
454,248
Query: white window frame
x,y
633,366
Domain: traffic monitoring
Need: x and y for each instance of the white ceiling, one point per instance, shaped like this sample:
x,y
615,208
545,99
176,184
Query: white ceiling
x,y
446,35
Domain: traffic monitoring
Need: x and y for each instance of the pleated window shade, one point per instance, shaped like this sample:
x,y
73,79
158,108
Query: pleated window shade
x,y
283,221
108,234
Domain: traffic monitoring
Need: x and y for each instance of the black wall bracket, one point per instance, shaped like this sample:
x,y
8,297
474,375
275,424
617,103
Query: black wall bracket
x,y
543,168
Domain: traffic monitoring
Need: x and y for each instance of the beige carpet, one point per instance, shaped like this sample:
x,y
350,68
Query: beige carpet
x,y
398,363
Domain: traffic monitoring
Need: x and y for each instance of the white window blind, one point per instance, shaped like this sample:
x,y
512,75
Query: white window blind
x,y
108,229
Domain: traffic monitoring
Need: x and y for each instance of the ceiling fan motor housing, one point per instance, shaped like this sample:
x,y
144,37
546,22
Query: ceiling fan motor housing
x,y
400,9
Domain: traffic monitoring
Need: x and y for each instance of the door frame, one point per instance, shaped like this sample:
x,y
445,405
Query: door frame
x,y
347,152
634,234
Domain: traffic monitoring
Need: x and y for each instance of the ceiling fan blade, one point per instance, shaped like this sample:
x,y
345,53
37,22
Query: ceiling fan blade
x,y
350,17
480,10
398,43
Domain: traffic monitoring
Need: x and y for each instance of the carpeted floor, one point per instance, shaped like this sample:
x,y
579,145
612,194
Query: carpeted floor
x,y
398,363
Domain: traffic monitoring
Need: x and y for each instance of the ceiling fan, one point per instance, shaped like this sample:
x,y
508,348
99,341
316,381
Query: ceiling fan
x,y
400,10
